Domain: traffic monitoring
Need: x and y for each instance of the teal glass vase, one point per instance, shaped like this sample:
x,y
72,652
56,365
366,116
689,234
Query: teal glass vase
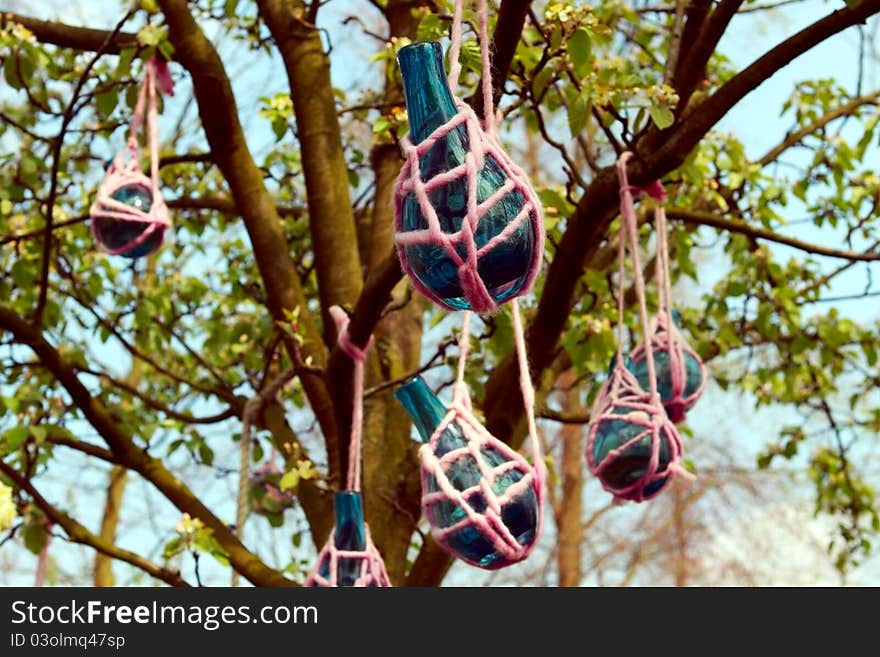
x,y
506,268
520,514
673,400
349,533
115,233
624,471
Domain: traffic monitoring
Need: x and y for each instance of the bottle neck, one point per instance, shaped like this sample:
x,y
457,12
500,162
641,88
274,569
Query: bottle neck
x,y
422,405
429,101
350,534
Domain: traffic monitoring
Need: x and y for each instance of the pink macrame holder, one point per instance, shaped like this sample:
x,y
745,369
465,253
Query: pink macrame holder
x,y
125,170
621,400
488,522
482,145
665,335
372,567
483,142
372,573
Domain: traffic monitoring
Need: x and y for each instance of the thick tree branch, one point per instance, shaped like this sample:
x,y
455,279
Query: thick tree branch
x,y
126,453
219,114
79,534
68,36
109,522
699,218
697,55
331,218
678,141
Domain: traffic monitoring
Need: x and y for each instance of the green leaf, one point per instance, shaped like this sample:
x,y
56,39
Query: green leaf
x,y
578,112
106,102
172,547
10,72
34,536
662,116
14,437
579,51
290,480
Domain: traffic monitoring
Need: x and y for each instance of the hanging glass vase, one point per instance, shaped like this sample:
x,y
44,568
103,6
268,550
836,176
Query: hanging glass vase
x,y
114,234
467,222
349,558
679,372
632,446
481,498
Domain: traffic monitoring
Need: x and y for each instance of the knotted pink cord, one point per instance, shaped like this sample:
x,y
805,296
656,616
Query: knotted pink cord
x,y
665,335
359,356
483,142
621,401
125,169
372,567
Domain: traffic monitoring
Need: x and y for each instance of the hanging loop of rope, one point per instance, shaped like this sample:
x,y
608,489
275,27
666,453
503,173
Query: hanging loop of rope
x,y
359,356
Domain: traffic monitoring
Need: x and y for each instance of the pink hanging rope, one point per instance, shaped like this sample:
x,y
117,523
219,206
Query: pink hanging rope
x,y
488,522
666,339
483,142
125,169
372,567
623,410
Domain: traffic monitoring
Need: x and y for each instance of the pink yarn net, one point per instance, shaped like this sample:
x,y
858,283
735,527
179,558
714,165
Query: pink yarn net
x,y
460,246
624,408
681,373
371,566
483,507
482,145
633,447
125,172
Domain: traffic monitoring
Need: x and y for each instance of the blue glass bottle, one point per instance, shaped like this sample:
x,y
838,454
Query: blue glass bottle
x,y
520,515
505,268
349,534
632,464
663,371
116,233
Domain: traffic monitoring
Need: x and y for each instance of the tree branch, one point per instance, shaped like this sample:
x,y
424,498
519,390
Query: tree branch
x,y
796,137
68,36
508,30
226,206
126,453
219,114
332,223
79,534
697,55
686,134
699,218
57,145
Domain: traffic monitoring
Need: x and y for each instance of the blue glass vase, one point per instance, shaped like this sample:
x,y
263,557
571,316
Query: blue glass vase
x,y
505,268
520,514
627,468
663,372
349,534
116,233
